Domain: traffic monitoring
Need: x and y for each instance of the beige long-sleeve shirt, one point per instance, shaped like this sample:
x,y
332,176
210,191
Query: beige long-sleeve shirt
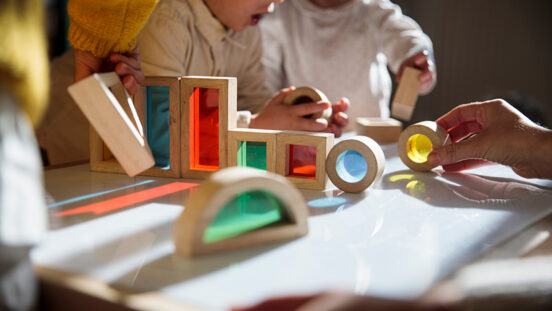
x,y
182,37
343,51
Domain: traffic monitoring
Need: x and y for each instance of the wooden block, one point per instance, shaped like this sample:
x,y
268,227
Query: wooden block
x,y
417,141
406,95
204,205
302,158
305,94
141,99
381,130
355,163
110,110
209,109
238,137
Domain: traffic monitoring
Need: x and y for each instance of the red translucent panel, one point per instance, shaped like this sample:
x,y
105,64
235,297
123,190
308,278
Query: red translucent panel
x,y
204,129
302,161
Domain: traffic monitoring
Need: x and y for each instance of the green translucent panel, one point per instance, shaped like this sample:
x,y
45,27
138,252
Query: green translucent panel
x,y
157,107
252,154
246,212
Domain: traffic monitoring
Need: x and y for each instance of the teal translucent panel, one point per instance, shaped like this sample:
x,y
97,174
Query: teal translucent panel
x,y
157,107
246,212
252,154
351,166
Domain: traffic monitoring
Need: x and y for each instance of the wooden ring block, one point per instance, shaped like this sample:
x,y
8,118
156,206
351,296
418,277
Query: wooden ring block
x,y
301,93
212,195
372,154
381,130
413,149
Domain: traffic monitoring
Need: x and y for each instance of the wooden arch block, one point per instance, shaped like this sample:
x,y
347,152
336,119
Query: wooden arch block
x,y
209,110
417,141
203,206
406,95
106,104
304,94
381,130
355,163
302,158
240,141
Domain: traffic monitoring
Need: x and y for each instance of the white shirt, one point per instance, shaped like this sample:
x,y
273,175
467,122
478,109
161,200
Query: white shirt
x,y
342,51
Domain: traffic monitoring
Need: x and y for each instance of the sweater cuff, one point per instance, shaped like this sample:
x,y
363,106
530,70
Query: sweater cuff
x,y
244,118
85,41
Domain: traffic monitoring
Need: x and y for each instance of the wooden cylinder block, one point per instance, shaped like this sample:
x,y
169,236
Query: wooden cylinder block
x,y
355,163
305,94
209,199
417,141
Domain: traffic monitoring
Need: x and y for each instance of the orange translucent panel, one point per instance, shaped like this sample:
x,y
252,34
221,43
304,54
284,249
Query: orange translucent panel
x,y
204,129
302,161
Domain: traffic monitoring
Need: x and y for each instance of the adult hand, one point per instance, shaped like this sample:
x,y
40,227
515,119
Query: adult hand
x,y
421,61
278,116
127,66
339,118
500,134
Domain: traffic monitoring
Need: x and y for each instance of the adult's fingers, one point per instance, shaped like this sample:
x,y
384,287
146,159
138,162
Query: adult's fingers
x,y
466,165
453,153
463,130
461,114
277,304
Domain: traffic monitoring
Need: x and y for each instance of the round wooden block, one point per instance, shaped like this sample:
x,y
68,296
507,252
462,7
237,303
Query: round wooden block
x,y
305,94
417,141
357,175
205,203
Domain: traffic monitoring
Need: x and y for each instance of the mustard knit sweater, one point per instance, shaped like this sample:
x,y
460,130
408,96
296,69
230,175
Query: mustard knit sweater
x,y
106,26
23,58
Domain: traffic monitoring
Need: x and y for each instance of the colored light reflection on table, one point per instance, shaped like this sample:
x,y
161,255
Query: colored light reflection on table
x,y
302,161
204,129
252,154
418,147
246,212
128,199
351,166
157,107
414,187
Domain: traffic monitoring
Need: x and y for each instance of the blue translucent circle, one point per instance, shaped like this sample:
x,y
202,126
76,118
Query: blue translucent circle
x,y
351,166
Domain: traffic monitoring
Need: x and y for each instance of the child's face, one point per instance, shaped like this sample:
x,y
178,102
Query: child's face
x,y
238,14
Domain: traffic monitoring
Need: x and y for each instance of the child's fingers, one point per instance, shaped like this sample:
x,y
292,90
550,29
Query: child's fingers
x,y
308,108
122,69
311,125
130,84
340,119
342,105
119,58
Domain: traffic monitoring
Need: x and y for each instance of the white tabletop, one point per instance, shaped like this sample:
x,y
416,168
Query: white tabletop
x,y
394,240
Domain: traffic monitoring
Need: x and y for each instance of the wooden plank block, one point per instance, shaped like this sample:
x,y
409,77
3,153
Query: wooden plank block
x,y
295,162
196,95
381,130
205,204
239,135
140,100
417,141
305,94
406,95
121,132
355,163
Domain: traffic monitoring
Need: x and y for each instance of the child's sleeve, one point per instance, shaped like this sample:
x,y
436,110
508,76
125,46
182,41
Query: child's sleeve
x,y
252,91
103,27
398,36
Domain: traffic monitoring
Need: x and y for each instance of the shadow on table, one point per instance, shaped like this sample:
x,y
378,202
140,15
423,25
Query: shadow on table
x,y
446,189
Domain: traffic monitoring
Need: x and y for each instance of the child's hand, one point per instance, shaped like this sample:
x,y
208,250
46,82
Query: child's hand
x,y
277,116
422,62
127,66
339,118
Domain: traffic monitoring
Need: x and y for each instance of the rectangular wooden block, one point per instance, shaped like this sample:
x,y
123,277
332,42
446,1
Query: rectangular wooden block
x,y
208,111
301,158
243,142
101,159
381,130
111,112
406,95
